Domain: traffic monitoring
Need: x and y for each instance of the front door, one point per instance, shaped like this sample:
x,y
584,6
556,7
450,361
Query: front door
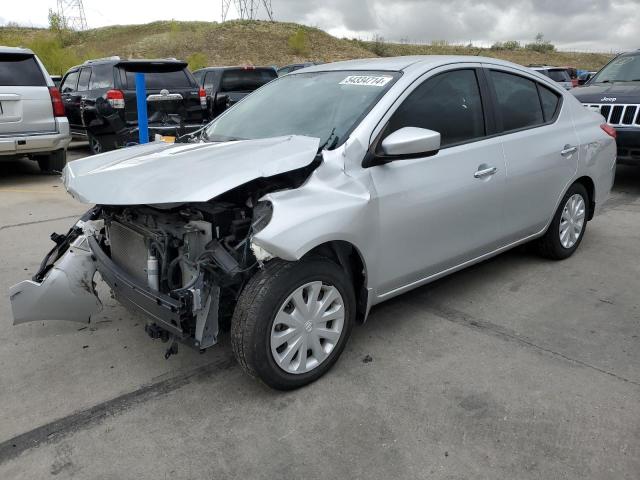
x,y
440,211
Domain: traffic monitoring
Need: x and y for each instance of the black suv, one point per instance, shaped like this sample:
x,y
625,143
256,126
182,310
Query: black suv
x,y
100,100
615,92
225,86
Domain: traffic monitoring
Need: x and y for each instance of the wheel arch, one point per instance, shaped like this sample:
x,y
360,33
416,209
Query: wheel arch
x,y
590,186
349,257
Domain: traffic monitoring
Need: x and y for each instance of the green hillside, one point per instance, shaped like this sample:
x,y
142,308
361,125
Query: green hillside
x,y
240,42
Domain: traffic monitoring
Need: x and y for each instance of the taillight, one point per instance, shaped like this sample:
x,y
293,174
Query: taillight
x,y
609,130
56,102
115,98
203,97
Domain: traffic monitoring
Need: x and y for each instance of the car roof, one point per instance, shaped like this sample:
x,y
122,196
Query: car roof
x,y
398,64
4,49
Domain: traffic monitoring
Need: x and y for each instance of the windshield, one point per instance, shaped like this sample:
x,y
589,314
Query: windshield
x,y
324,105
622,69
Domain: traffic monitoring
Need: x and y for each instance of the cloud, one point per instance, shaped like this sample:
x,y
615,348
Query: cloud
x,y
591,24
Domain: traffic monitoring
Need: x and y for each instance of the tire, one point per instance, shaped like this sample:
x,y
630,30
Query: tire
x,y
256,321
100,144
54,162
551,244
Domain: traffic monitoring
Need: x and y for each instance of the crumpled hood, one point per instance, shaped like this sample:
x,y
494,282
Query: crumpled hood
x,y
623,92
159,173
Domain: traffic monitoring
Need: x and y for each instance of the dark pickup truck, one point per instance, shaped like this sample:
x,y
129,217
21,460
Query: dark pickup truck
x,y
615,92
100,100
226,86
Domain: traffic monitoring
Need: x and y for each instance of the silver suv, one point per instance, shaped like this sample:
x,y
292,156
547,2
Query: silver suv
x,y
32,119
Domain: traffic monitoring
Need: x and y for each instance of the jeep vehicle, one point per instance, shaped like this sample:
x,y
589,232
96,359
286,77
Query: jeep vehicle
x,y
226,86
320,195
557,74
32,119
614,92
100,100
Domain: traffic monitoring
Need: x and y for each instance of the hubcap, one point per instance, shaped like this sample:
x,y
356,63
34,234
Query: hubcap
x,y
307,327
96,147
572,220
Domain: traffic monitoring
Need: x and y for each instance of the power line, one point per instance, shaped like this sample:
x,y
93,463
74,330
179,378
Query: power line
x,y
247,9
71,13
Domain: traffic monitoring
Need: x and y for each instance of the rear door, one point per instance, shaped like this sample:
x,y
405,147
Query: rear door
x,y
539,139
172,93
25,102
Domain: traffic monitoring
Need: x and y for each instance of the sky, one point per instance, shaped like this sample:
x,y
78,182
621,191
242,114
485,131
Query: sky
x,y
588,25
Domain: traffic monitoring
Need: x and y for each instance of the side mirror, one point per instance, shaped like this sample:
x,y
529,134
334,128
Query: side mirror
x,y
411,141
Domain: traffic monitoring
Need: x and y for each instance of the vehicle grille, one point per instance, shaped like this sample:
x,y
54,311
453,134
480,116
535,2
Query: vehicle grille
x,y
128,250
618,115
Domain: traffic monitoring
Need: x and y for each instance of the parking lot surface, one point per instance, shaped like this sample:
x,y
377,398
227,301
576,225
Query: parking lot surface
x,y
515,368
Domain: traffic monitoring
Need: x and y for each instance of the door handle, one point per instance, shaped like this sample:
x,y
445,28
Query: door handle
x,y
568,150
485,172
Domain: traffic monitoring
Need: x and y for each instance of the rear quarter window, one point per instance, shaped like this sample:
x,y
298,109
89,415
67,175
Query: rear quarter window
x,y
101,77
20,70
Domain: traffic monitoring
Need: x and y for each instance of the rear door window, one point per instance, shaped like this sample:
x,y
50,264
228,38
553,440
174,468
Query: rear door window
x,y
241,80
101,77
70,82
83,80
20,70
449,103
518,101
160,80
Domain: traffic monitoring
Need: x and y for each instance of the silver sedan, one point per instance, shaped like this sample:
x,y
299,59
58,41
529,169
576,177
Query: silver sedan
x,y
320,195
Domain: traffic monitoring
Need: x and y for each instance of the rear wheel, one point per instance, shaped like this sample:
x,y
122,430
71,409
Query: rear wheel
x,y
568,225
54,162
292,321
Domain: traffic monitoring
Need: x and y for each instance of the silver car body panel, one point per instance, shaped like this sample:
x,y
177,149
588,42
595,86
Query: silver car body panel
x,y
410,221
66,293
161,173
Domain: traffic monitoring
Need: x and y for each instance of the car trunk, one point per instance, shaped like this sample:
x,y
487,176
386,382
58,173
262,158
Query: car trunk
x,y
172,95
25,102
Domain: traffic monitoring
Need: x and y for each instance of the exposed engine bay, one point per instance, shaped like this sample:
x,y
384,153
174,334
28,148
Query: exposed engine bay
x,y
197,255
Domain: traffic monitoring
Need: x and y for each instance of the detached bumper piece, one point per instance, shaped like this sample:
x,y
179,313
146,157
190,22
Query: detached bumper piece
x,y
65,292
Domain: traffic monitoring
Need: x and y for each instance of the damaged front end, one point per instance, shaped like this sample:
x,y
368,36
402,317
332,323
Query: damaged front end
x,y
180,266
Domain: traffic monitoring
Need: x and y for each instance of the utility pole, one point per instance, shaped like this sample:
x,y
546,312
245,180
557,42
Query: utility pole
x,y
71,13
247,9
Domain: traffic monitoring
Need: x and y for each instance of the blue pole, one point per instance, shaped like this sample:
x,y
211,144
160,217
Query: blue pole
x,y
141,99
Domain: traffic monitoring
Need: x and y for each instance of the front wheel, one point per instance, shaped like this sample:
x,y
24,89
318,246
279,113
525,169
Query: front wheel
x,y
292,321
568,225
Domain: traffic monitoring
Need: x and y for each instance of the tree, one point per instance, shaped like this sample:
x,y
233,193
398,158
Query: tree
x,y
298,42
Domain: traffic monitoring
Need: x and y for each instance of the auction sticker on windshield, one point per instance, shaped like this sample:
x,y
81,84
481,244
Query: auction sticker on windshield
x,y
367,80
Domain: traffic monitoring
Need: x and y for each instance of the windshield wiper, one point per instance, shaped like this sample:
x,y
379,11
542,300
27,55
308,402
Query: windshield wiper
x,y
330,142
